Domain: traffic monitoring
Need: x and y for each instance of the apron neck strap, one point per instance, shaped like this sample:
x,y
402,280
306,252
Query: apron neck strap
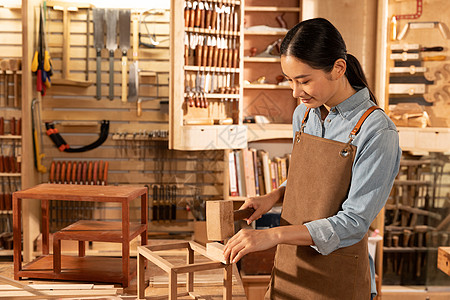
x,y
362,119
355,129
305,118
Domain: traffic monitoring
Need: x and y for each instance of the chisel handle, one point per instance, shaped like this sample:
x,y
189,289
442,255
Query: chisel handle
x,y
434,58
99,75
124,77
52,173
430,49
111,75
243,213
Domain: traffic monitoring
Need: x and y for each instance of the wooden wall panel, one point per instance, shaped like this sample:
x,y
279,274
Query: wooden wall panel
x,y
77,115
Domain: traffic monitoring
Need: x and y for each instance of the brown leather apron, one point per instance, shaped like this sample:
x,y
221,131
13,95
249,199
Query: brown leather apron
x,y
318,182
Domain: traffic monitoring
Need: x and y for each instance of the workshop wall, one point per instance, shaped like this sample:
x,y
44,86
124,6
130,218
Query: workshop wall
x,y
10,142
137,147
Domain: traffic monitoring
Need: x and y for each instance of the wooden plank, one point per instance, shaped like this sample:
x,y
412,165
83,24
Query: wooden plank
x,y
155,258
10,51
215,250
148,91
198,267
10,14
12,38
57,294
98,115
14,25
168,246
79,52
92,103
79,65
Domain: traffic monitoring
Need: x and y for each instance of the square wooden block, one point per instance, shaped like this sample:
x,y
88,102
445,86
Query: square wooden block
x,y
150,253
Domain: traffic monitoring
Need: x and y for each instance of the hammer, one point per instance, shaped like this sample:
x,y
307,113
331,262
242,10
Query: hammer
x,y
220,217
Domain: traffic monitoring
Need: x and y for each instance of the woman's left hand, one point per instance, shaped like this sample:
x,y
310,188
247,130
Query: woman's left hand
x,y
249,240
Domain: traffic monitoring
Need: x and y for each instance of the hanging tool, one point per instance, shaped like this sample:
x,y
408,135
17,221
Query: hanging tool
x,y
15,66
151,36
424,25
88,41
133,85
393,25
124,42
61,144
37,136
111,44
66,9
99,20
37,64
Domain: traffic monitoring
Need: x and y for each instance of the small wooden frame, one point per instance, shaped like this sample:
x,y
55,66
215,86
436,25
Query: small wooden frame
x,y
149,252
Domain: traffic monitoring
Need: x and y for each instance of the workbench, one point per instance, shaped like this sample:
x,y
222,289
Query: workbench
x,y
81,267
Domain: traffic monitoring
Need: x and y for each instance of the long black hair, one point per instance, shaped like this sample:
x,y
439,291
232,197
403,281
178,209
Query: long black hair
x,y
319,44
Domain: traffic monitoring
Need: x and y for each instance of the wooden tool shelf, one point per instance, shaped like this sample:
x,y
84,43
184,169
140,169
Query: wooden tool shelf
x,y
261,59
249,33
10,174
271,8
10,137
262,95
211,31
208,73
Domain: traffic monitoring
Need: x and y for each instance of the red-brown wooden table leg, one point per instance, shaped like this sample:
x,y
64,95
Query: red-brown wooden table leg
x,y
81,248
56,254
125,243
17,236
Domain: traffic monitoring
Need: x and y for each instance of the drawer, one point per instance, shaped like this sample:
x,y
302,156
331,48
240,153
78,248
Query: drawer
x,y
199,137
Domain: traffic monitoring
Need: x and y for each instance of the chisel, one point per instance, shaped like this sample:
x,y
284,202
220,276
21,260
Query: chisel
x,y
133,85
414,48
187,13
95,174
111,45
73,178
155,203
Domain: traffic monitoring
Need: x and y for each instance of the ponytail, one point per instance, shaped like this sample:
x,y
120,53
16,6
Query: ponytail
x,y
355,75
319,44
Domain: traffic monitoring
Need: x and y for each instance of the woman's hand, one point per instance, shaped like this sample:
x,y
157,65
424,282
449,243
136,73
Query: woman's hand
x,y
249,240
262,204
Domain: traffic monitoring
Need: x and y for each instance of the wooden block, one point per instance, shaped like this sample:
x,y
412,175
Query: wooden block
x,y
444,259
215,250
219,219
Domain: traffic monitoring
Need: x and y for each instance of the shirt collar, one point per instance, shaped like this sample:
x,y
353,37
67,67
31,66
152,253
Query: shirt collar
x,y
346,107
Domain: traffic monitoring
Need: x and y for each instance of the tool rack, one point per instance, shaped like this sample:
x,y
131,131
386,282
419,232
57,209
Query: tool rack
x,y
206,75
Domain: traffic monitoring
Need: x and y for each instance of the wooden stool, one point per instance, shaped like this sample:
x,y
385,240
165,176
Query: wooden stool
x,y
148,252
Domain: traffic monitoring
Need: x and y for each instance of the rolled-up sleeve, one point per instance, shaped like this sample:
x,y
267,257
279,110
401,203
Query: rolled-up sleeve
x,y
374,170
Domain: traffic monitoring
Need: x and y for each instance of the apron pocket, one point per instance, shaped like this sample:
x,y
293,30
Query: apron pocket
x,y
314,276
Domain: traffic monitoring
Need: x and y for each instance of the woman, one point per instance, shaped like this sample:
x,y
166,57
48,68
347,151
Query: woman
x,y
344,161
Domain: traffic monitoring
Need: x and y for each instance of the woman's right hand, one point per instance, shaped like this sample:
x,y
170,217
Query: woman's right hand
x,y
262,204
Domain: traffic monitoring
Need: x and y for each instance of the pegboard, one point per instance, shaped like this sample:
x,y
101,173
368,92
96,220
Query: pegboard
x,y
134,157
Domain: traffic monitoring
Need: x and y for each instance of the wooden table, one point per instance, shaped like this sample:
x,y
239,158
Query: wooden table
x,y
82,268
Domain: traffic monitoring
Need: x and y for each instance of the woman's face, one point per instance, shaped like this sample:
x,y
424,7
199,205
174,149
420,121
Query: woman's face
x,y
311,86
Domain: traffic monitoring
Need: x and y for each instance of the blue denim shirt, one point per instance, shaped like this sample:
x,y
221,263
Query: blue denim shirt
x,y
374,169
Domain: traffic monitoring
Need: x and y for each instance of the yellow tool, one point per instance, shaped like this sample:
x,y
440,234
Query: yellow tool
x,y
36,123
